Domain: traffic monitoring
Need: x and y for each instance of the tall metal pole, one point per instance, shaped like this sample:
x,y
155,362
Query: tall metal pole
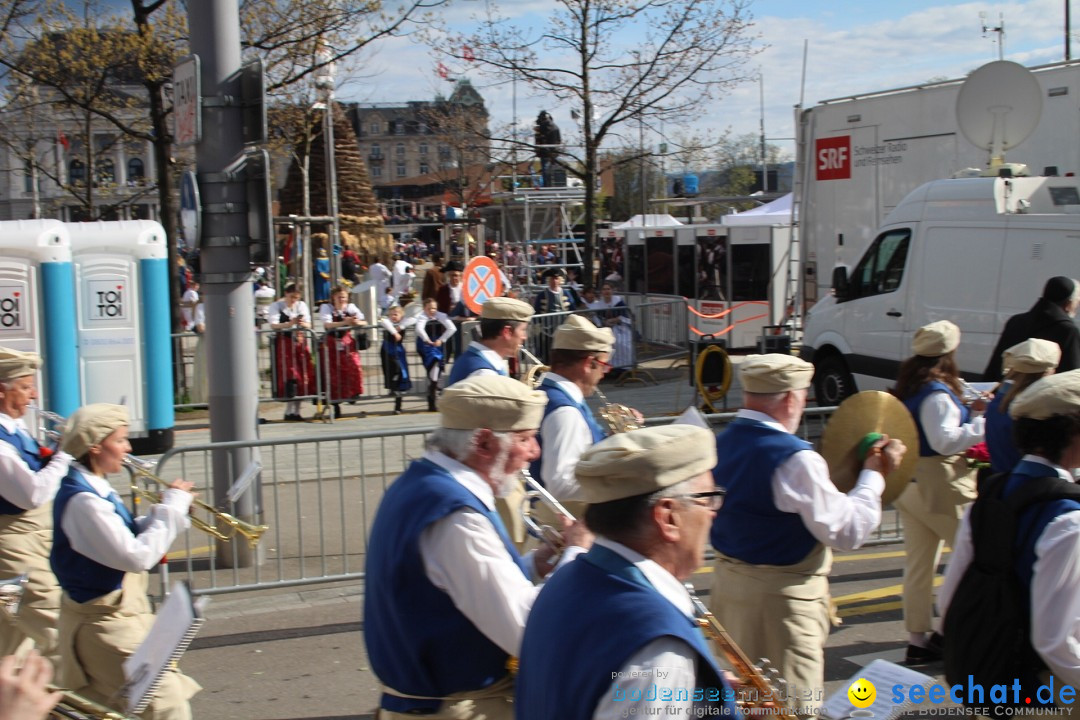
x,y
764,159
1068,24
230,344
324,80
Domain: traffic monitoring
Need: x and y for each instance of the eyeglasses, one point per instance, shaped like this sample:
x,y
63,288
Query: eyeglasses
x,y
715,498
607,366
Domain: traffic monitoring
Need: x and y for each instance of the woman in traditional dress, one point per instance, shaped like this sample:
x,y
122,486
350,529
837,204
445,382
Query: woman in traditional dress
x,y
101,555
612,312
294,373
931,507
338,353
433,329
395,363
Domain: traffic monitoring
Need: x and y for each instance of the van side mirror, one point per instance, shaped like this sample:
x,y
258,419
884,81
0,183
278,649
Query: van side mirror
x,y
840,282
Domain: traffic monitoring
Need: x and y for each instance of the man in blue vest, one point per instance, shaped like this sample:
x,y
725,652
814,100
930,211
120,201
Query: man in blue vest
x,y
447,595
29,478
1047,547
579,360
555,298
781,516
622,608
504,327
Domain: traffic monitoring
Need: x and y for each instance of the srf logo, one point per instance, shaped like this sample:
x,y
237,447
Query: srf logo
x,y
12,307
832,158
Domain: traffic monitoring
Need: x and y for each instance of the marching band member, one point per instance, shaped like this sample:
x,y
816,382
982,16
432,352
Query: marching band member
x,y
338,352
433,351
579,360
294,372
504,327
101,555
29,478
930,508
622,606
447,595
1024,364
773,538
395,363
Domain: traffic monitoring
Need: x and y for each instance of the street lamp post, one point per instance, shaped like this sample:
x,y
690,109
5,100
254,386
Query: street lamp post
x,y
324,80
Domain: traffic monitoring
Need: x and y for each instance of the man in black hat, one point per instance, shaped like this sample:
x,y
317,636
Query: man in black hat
x,y
1050,319
553,299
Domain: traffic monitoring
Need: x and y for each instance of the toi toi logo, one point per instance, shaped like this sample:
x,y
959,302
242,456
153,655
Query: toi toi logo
x,y
11,311
110,303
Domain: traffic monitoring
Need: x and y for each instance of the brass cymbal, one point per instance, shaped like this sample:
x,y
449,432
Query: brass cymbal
x,y
869,412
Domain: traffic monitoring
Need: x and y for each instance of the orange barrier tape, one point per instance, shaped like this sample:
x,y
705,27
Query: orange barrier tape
x,y
724,313
731,327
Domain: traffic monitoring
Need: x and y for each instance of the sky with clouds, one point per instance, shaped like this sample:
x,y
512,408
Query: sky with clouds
x,y
852,47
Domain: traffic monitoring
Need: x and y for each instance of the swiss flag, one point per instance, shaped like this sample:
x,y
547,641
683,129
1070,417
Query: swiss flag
x,y
442,70
467,53
63,140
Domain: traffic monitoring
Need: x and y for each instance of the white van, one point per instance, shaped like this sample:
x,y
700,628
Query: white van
x,y
975,251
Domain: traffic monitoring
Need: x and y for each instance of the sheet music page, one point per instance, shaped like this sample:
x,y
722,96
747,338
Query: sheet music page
x,y
171,631
692,416
883,674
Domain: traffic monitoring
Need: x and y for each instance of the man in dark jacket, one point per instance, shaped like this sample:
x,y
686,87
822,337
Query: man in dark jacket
x,y
1050,319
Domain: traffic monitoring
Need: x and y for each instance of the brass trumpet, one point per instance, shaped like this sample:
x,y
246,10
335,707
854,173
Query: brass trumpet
x,y
618,418
535,491
144,468
77,707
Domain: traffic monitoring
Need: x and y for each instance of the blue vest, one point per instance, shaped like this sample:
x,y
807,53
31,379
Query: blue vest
x,y
30,453
1033,521
999,440
606,610
557,398
80,577
418,642
914,402
748,526
469,362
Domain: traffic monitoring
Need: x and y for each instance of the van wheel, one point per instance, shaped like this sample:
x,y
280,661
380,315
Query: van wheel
x,y
832,381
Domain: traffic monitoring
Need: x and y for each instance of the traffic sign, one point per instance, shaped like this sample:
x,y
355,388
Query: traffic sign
x,y
187,102
481,281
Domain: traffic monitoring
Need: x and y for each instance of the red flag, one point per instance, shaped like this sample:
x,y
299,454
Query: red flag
x,y
467,53
442,70
63,140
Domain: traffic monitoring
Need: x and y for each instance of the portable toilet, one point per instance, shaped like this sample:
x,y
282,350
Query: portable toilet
x,y
37,307
123,324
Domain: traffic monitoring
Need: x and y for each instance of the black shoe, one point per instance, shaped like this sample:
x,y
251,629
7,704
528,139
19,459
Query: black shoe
x,y
337,412
937,642
922,655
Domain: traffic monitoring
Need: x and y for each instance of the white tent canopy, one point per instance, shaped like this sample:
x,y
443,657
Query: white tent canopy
x,y
778,212
664,220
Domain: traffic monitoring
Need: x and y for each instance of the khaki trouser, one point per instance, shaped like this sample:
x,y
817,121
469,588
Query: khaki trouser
x,y
930,510
495,702
780,613
97,636
25,542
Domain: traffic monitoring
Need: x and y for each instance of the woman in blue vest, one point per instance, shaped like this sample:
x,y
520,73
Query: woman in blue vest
x,y
622,609
1046,420
29,478
1024,364
930,508
101,555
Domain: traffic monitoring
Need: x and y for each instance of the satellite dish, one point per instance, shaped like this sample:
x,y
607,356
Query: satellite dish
x,y
998,107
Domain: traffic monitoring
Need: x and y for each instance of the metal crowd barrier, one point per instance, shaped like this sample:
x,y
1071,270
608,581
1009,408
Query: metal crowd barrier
x,y
319,495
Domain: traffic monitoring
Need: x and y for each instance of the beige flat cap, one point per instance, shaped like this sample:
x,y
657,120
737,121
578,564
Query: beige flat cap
x,y
1031,356
1052,395
494,402
91,424
577,333
936,339
504,308
16,364
775,373
644,461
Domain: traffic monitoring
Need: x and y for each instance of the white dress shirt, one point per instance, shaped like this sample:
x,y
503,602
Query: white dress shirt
x,y
188,302
564,437
1055,585
465,558
326,313
399,328
96,530
674,657
298,309
448,326
19,484
402,277
801,485
940,420
492,357
380,275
